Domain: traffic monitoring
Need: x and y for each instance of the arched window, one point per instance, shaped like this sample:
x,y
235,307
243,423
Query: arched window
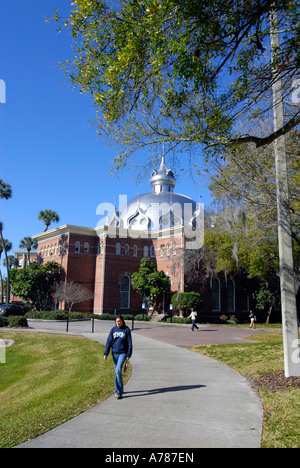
x,y
162,250
174,248
146,251
125,292
230,295
152,251
86,248
216,297
135,250
127,251
118,248
77,247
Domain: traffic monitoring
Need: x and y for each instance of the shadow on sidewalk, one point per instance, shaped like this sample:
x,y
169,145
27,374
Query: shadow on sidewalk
x,y
155,391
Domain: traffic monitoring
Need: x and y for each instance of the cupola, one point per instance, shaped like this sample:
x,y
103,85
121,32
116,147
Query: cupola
x,y
162,179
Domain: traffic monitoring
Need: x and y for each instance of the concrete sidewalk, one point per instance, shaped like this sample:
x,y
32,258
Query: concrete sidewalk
x,y
175,398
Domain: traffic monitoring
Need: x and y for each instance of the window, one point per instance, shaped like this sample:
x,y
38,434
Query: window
x,y
174,249
146,251
135,250
127,251
230,295
168,250
86,248
216,299
152,251
77,247
162,250
118,248
125,292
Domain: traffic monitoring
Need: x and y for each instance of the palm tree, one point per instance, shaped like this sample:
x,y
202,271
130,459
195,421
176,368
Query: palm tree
x,y
28,243
5,246
5,190
47,216
6,193
12,262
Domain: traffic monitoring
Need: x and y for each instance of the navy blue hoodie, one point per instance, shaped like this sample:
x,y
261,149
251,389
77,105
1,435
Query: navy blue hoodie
x,y
119,339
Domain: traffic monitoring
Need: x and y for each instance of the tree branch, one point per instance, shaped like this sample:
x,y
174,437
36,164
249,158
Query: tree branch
x,y
259,142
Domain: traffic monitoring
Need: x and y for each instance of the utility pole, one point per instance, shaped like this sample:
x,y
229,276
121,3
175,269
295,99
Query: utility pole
x,y
287,281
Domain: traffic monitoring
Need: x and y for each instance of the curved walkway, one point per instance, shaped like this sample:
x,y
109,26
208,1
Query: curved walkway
x,y
175,398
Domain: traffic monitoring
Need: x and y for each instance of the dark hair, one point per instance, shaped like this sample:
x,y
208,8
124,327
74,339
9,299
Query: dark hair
x,y
121,318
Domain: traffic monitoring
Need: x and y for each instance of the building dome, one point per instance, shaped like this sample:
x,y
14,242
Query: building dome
x,y
159,209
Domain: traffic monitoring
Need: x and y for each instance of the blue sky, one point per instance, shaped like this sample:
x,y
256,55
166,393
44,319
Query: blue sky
x,y
49,152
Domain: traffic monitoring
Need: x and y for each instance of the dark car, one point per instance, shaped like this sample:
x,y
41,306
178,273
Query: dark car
x,y
11,309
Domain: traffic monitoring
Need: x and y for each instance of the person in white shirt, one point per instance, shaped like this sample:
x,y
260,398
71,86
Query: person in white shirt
x,y
193,316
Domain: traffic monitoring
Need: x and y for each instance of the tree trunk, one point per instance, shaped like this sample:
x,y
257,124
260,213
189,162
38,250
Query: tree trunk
x,y
287,282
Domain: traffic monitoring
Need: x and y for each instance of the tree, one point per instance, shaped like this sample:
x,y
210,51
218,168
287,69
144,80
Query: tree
x,y
5,246
12,262
184,72
5,190
72,293
6,193
186,301
149,282
245,181
36,284
48,216
28,243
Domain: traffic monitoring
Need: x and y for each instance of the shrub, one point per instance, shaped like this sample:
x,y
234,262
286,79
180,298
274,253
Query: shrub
x,y
3,321
47,315
183,320
142,317
186,301
55,315
223,318
17,321
105,317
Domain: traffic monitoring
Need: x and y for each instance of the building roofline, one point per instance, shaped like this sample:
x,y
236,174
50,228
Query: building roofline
x,y
110,231
65,229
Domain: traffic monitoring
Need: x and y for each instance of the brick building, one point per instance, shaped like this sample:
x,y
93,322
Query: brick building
x,y
160,225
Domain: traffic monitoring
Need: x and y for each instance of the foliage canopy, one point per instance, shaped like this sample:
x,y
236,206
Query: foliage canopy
x,y
35,283
149,282
183,72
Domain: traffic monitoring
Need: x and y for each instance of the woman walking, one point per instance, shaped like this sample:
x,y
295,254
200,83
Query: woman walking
x,y
193,316
119,340
252,319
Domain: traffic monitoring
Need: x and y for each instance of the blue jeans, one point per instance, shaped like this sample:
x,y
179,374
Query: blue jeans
x,y
119,360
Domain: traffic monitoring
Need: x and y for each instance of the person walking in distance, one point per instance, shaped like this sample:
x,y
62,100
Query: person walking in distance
x,y
193,316
120,342
252,319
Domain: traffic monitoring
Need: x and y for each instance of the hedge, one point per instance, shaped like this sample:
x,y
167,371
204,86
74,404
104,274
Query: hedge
x,y
3,321
55,315
13,321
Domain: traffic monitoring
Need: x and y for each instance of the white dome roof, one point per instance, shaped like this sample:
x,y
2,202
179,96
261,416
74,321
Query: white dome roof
x,y
160,209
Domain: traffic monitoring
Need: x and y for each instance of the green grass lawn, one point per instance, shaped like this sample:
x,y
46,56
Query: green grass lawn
x,y
281,427
47,380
